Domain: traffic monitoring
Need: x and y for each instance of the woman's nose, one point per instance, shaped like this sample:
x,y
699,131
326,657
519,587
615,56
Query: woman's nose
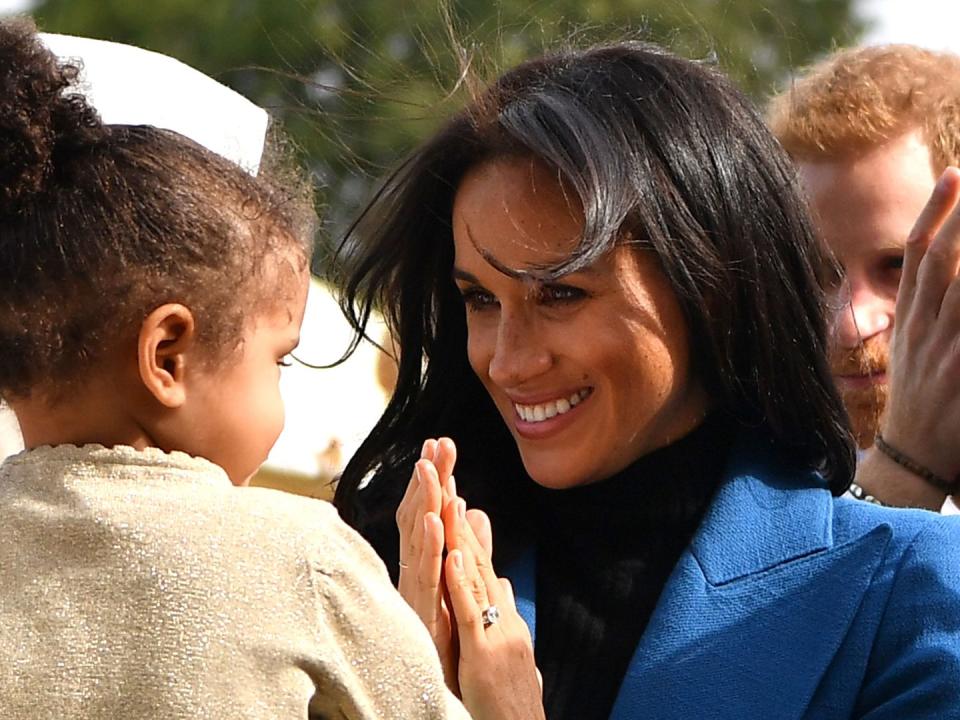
x,y
520,353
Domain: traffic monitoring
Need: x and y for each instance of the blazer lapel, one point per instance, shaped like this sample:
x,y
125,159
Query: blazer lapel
x,y
757,606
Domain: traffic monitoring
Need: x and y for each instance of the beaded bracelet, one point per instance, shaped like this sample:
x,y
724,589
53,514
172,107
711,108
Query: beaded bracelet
x,y
860,494
908,463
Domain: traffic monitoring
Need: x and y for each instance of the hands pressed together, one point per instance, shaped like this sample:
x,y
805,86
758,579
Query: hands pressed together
x,y
487,660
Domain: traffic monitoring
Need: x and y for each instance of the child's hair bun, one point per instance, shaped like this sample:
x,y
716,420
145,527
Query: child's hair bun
x,y
40,124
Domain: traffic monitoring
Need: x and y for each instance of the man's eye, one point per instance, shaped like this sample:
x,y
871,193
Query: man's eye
x,y
832,276
477,299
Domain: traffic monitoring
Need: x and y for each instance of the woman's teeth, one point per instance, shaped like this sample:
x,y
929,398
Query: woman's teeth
x,y
547,410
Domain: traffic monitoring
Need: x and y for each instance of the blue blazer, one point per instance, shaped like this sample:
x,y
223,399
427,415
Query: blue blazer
x,y
790,603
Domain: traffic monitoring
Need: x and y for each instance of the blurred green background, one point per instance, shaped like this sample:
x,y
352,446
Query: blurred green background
x,y
358,82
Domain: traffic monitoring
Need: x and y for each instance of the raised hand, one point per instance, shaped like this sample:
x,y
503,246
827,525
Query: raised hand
x,y
923,411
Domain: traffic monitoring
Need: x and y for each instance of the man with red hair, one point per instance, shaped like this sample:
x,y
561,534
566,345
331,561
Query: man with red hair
x,y
871,129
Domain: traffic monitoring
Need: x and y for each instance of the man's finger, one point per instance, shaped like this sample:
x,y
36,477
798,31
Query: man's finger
x,y
934,240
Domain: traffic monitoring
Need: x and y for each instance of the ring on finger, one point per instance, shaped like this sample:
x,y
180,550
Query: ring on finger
x,y
490,616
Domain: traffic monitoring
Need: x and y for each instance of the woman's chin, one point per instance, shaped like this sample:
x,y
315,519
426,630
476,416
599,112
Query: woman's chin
x,y
555,475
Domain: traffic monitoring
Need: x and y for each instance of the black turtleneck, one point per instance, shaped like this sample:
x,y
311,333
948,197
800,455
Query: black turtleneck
x,y
605,553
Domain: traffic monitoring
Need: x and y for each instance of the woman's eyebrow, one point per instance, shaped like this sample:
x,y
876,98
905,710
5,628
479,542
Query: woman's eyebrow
x,y
459,274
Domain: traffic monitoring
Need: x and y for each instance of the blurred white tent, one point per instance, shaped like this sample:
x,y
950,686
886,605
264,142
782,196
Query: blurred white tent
x,y
10,440
328,411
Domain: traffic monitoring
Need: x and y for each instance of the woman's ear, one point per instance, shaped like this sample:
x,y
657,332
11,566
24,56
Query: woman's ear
x,y
167,338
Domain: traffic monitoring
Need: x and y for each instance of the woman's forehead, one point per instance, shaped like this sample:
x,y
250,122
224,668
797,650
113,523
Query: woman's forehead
x,y
518,211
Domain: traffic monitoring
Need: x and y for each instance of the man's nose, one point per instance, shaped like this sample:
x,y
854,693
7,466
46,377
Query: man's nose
x,y
866,313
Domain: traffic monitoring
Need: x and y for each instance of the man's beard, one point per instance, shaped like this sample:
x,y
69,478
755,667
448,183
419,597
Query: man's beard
x,y
864,405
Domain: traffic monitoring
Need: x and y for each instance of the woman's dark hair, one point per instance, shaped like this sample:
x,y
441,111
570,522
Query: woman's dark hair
x,y
660,150
100,223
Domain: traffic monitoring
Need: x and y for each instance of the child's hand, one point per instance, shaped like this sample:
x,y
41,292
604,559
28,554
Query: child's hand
x,y
421,548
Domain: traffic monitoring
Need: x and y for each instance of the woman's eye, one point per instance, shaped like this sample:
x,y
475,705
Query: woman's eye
x,y
477,299
560,294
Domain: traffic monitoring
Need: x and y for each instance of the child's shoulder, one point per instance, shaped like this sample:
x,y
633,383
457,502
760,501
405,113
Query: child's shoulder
x,y
306,527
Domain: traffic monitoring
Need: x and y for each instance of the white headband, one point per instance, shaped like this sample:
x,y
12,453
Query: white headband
x,y
131,86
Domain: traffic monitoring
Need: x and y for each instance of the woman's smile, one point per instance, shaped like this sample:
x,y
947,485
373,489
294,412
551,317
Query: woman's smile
x,y
589,370
543,419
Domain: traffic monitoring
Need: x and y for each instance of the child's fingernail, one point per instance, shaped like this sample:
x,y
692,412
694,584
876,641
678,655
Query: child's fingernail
x,y
452,487
461,509
457,559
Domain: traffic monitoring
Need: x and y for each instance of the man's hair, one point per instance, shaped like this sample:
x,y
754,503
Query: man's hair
x,y
860,98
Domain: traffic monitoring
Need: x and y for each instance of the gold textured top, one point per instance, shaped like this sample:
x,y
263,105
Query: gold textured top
x,y
143,584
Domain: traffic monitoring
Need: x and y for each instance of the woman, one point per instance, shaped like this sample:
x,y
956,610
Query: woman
x,y
604,289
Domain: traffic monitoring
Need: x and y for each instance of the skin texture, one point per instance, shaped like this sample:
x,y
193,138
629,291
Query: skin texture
x,y
613,333
162,389
865,206
923,412
235,412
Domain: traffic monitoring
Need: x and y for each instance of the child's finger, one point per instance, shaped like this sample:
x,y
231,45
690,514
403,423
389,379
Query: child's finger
x,y
429,448
429,591
479,522
406,513
431,497
425,500
407,507
445,458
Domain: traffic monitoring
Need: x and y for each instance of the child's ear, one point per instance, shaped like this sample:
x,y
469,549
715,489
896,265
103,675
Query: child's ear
x,y
167,337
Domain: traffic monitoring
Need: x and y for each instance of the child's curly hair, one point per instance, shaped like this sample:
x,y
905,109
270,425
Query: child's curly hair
x,y
99,224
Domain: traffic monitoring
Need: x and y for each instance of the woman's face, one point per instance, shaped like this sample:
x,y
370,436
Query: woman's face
x,y
589,372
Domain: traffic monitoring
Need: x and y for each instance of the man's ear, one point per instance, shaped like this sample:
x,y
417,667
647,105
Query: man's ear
x,y
167,338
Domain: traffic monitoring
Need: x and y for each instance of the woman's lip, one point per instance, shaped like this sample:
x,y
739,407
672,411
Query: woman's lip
x,y
545,397
545,428
863,380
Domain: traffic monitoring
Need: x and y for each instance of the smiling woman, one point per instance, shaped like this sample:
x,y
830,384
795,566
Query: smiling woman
x,y
601,278
578,411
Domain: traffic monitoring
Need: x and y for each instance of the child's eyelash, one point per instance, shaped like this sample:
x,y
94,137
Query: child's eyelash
x,y
285,361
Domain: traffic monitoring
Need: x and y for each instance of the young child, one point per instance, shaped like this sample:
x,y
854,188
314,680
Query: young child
x,y
150,290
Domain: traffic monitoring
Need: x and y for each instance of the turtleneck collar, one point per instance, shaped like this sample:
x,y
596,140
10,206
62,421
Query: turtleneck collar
x,y
668,487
